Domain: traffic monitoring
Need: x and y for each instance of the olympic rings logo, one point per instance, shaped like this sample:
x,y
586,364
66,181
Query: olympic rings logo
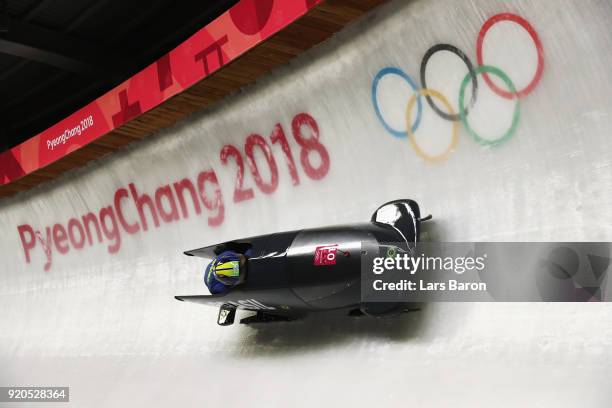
x,y
448,113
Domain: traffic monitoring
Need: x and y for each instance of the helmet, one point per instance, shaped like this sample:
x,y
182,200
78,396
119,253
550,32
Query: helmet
x,y
208,275
226,271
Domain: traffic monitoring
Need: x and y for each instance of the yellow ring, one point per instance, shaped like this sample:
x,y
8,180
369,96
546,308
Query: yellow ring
x,y
455,137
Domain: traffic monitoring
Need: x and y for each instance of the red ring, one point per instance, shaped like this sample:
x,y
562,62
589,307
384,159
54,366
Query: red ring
x,y
534,36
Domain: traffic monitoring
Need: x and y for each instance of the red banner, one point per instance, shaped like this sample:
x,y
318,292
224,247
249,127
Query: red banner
x,y
242,27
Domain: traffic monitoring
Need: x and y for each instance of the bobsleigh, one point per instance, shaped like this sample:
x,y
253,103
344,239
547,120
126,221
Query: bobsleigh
x,y
291,274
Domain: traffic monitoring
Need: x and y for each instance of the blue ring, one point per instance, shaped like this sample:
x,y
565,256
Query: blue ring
x,y
399,72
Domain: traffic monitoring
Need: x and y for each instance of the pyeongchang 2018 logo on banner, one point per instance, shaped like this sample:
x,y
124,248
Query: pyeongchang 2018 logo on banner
x,y
503,87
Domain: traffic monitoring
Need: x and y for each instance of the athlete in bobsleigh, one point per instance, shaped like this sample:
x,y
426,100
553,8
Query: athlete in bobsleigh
x,y
285,275
227,270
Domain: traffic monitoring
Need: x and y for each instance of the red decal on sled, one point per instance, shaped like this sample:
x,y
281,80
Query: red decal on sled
x,y
325,255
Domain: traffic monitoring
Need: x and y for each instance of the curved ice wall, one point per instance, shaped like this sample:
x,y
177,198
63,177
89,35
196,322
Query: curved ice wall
x,y
90,262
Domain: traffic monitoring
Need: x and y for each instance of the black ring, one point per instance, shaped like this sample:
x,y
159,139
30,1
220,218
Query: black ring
x,y
451,48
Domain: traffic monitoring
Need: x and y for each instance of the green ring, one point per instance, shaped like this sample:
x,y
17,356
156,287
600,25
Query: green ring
x,y
463,115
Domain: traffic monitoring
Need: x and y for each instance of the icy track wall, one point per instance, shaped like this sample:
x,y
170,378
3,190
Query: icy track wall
x,y
493,115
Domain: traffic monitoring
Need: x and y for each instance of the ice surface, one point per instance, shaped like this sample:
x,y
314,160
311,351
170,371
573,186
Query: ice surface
x,y
107,324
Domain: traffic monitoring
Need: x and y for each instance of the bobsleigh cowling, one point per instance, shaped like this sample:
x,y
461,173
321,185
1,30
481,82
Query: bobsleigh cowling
x,y
290,274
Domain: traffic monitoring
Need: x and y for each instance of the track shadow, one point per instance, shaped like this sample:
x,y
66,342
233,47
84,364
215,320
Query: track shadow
x,y
326,329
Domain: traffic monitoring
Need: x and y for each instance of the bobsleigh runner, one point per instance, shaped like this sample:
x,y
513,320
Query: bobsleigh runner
x,y
290,274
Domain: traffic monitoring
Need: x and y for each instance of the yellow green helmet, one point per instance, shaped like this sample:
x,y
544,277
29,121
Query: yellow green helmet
x,y
226,271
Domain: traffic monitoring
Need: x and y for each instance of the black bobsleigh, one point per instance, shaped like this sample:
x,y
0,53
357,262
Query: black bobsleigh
x,y
290,274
